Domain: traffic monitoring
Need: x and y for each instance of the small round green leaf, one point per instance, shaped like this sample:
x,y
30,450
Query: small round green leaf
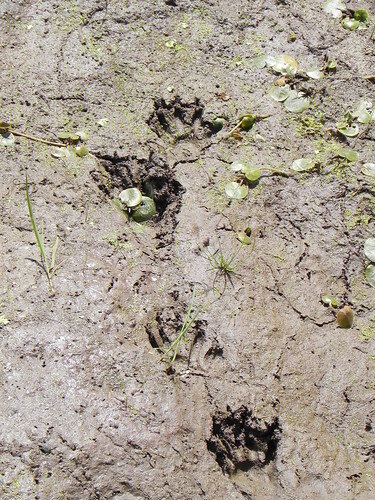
x,y
6,139
70,137
369,249
131,197
217,124
243,238
285,65
238,166
260,61
303,164
279,94
349,130
247,122
370,274
82,151
369,169
364,112
345,317
59,153
82,135
350,23
145,210
252,174
4,126
236,191
348,153
296,103
315,74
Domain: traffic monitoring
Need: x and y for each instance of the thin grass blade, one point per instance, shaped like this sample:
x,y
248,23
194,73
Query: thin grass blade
x,y
54,252
35,229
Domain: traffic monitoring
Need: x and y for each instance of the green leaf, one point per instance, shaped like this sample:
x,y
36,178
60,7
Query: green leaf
x,y
279,94
238,166
370,274
362,16
247,122
252,174
145,210
217,124
54,252
303,164
236,191
348,130
285,65
345,317
350,24
82,135
4,126
334,8
369,169
348,153
296,103
363,112
59,152
315,74
369,249
330,301
131,197
331,65
6,139
243,238
260,61
82,151
68,137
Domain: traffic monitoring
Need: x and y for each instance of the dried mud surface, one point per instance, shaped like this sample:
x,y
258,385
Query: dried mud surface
x,y
268,399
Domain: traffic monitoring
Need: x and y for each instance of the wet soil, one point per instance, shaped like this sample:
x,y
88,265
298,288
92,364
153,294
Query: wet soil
x,y
267,397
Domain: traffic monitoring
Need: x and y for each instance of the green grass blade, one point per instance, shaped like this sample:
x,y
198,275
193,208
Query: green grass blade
x,y
54,251
35,229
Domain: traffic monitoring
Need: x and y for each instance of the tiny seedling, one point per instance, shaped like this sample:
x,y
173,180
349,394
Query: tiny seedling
x,y
172,352
48,265
224,267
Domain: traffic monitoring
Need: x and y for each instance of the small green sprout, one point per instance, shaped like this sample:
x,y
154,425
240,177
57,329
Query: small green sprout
x,y
48,265
172,352
329,300
224,267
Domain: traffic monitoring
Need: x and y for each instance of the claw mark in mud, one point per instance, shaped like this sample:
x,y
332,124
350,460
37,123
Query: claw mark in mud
x,y
179,120
154,177
241,441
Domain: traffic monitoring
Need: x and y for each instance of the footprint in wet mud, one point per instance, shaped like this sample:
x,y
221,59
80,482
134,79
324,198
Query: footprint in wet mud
x,y
154,177
178,120
241,441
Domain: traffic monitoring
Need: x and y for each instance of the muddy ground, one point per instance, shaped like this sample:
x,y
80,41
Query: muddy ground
x,y
268,398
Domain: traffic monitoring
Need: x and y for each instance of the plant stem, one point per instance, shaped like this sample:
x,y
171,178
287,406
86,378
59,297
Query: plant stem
x,y
235,128
37,139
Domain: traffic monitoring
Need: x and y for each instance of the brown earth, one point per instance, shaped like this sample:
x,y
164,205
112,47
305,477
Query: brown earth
x,y
268,398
